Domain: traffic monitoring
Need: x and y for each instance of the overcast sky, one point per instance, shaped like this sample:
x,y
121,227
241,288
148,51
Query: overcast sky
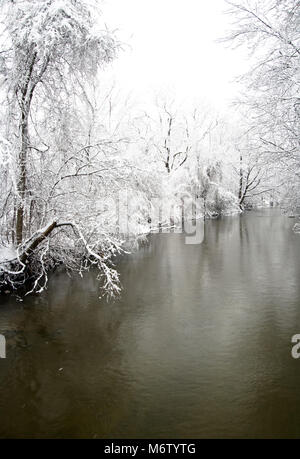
x,y
173,49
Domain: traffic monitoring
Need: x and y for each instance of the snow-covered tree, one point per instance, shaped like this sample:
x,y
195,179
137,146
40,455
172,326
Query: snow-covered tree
x,y
49,49
270,30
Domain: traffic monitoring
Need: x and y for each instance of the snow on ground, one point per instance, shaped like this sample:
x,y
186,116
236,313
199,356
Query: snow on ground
x,y
7,253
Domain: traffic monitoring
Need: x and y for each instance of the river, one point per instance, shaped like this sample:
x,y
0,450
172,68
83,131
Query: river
x,y
199,345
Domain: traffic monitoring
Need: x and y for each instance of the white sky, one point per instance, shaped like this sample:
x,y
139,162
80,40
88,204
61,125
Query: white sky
x,y
173,49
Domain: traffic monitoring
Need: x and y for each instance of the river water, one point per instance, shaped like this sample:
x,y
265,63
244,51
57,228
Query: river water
x,y
198,346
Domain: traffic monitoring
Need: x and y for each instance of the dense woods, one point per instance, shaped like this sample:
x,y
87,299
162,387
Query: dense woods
x,y
71,151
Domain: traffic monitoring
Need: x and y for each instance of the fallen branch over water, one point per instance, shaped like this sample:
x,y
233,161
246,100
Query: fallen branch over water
x,y
33,259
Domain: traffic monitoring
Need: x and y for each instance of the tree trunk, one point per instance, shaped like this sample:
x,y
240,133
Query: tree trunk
x,y
241,180
26,93
22,179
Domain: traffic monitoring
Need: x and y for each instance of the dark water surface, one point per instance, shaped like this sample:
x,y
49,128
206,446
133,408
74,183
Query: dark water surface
x,y
198,346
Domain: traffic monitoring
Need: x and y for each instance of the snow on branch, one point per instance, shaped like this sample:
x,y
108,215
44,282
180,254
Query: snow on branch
x,y
31,263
